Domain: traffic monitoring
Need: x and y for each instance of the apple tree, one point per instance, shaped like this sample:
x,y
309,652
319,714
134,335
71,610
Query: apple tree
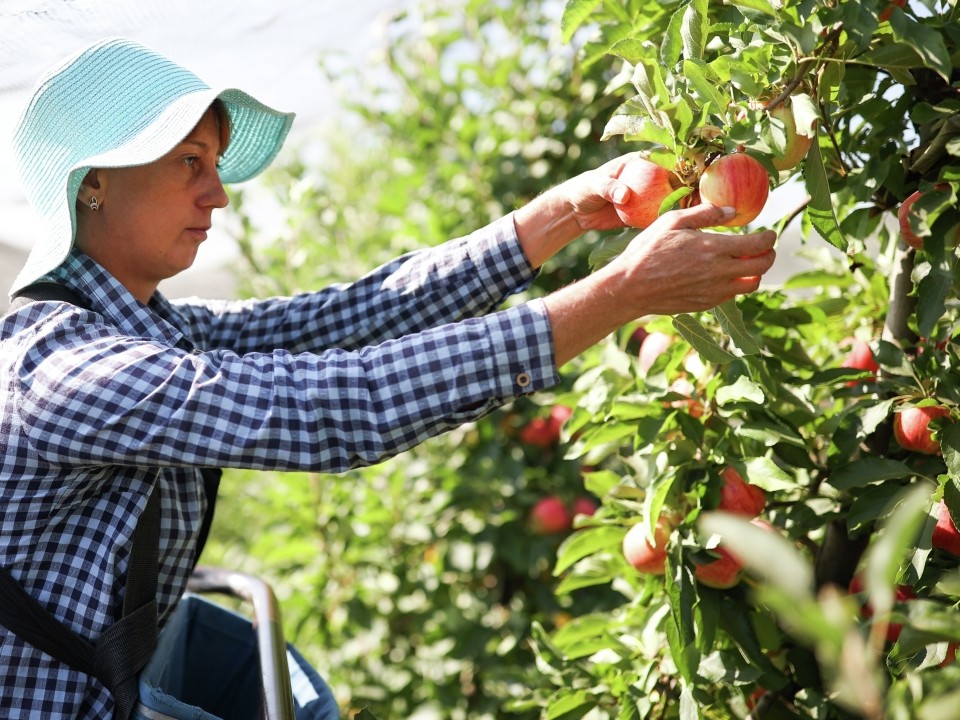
x,y
829,588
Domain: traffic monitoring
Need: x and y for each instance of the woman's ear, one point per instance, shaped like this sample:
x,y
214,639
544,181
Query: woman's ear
x,y
91,187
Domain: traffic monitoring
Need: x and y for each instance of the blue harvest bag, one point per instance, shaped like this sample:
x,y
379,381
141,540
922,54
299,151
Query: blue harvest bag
x,y
207,667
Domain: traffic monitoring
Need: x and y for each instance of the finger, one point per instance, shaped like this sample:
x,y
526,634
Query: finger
x,y
756,265
698,216
746,246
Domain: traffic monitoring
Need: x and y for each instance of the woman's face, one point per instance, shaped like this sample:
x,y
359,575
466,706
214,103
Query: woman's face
x,y
153,217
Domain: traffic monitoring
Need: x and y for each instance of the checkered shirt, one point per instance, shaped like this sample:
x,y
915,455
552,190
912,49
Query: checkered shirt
x,y
100,406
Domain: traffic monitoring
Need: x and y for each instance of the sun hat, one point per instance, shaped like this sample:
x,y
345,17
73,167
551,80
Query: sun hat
x,y
117,103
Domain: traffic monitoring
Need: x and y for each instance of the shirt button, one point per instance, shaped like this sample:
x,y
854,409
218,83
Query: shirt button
x,y
523,380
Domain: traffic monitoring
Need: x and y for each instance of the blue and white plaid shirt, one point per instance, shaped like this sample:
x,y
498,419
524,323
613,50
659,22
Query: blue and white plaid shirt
x,y
99,406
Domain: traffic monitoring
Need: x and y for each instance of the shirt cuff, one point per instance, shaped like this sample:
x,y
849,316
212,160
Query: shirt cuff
x,y
522,341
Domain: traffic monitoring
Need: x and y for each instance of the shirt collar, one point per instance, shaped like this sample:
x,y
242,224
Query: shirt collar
x,y
159,320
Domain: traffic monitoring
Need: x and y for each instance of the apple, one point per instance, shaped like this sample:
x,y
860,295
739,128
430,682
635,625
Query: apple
x,y
650,184
888,11
740,497
584,506
860,357
544,432
645,557
727,570
910,428
738,181
797,144
549,516
903,217
945,535
902,593
724,572
652,347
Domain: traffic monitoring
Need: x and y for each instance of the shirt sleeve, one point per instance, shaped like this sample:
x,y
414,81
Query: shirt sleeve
x,y
88,395
465,277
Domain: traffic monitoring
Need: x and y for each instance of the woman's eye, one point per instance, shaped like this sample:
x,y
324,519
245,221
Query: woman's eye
x,y
190,161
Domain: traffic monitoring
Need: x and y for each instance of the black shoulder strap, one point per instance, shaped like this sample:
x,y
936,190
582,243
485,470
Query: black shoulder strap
x,y
124,648
45,290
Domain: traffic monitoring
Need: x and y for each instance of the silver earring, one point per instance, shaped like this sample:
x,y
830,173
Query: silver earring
x,y
94,204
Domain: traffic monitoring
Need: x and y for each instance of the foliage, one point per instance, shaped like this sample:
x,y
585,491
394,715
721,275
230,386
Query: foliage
x,y
772,396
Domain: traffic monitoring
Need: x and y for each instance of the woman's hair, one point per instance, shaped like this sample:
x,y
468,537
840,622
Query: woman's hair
x,y
222,118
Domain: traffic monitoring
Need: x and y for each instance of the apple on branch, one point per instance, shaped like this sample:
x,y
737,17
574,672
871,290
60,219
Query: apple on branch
x,y
740,497
738,181
911,428
797,144
860,357
945,535
550,516
645,556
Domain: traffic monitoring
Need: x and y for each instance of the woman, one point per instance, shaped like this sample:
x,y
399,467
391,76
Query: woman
x,y
122,396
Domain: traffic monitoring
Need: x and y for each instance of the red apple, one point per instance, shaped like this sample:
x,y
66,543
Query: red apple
x,y
545,432
888,11
724,572
797,144
538,433
945,535
584,506
652,347
727,570
738,181
740,497
902,593
860,357
651,184
549,516
910,428
647,558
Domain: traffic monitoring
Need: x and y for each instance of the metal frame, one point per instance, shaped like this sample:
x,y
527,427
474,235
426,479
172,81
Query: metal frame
x,y
277,693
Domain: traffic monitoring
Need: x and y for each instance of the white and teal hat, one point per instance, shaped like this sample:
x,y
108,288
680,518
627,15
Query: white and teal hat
x,y
117,103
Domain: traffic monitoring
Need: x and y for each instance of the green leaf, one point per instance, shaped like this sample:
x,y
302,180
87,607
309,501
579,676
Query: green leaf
x,y
768,555
761,6
365,714
681,631
586,542
575,14
933,291
694,28
886,553
767,474
743,390
569,704
820,210
688,705
950,446
926,41
693,331
866,471
730,317
696,72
